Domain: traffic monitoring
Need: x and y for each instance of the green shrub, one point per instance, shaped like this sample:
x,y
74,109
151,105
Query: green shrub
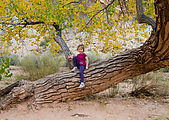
x,y
20,77
94,57
4,68
163,117
165,69
38,66
15,59
156,83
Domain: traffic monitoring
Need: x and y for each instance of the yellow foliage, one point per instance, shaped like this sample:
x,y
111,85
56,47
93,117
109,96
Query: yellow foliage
x,y
80,17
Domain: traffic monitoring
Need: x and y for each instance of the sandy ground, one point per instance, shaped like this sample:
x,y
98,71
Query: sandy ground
x,y
110,109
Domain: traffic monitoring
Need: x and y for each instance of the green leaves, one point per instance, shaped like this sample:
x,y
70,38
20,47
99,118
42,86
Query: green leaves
x,y
0,77
4,68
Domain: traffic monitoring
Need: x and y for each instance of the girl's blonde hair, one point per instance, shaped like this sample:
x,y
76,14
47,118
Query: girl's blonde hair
x,y
80,46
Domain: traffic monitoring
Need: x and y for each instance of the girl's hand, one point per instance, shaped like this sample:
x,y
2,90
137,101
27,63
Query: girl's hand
x,y
87,68
70,57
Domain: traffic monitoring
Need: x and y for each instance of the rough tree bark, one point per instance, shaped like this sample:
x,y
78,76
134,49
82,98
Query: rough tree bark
x,y
58,38
153,55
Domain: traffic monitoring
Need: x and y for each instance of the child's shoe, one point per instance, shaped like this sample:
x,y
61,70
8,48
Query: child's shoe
x,y
82,85
74,69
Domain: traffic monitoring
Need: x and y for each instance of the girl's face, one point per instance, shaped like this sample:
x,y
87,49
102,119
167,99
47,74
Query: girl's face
x,y
80,50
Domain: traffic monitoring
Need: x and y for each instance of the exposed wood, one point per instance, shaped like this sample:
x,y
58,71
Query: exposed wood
x,y
153,55
8,88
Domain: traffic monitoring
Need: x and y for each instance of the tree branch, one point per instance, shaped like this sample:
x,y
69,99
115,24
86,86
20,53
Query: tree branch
x,y
72,2
25,23
98,13
58,30
125,6
58,38
121,7
143,18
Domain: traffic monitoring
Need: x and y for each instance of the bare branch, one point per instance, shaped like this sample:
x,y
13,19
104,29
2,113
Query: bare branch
x,y
23,22
32,23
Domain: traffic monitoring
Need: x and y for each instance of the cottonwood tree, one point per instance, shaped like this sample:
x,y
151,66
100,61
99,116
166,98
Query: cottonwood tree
x,y
152,55
104,19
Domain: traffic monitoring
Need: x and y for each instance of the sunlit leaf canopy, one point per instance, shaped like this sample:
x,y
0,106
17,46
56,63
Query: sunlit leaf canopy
x,y
108,21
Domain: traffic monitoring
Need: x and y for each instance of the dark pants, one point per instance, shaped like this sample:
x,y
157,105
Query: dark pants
x,y
80,67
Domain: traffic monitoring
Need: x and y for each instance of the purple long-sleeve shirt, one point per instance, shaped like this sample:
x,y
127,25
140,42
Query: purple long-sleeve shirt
x,y
81,59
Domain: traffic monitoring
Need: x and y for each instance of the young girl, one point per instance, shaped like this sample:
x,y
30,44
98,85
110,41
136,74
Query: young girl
x,y
81,62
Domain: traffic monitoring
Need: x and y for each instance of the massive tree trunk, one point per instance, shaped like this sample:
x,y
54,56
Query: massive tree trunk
x,y
153,55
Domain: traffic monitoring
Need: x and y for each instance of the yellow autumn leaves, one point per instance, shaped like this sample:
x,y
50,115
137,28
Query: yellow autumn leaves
x,y
108,25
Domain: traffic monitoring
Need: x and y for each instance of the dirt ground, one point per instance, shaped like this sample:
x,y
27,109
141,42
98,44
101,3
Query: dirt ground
x,y
110,109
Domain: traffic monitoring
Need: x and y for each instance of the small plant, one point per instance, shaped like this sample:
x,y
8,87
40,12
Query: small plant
x,y
163,117
158,119
20,77
4,69
15,59
165,69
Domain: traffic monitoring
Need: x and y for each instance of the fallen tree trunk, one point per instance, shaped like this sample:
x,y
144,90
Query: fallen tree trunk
x,y
153,55
8,89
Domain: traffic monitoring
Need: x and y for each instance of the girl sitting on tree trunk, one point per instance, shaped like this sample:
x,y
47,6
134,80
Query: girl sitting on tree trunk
x,y
81,62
